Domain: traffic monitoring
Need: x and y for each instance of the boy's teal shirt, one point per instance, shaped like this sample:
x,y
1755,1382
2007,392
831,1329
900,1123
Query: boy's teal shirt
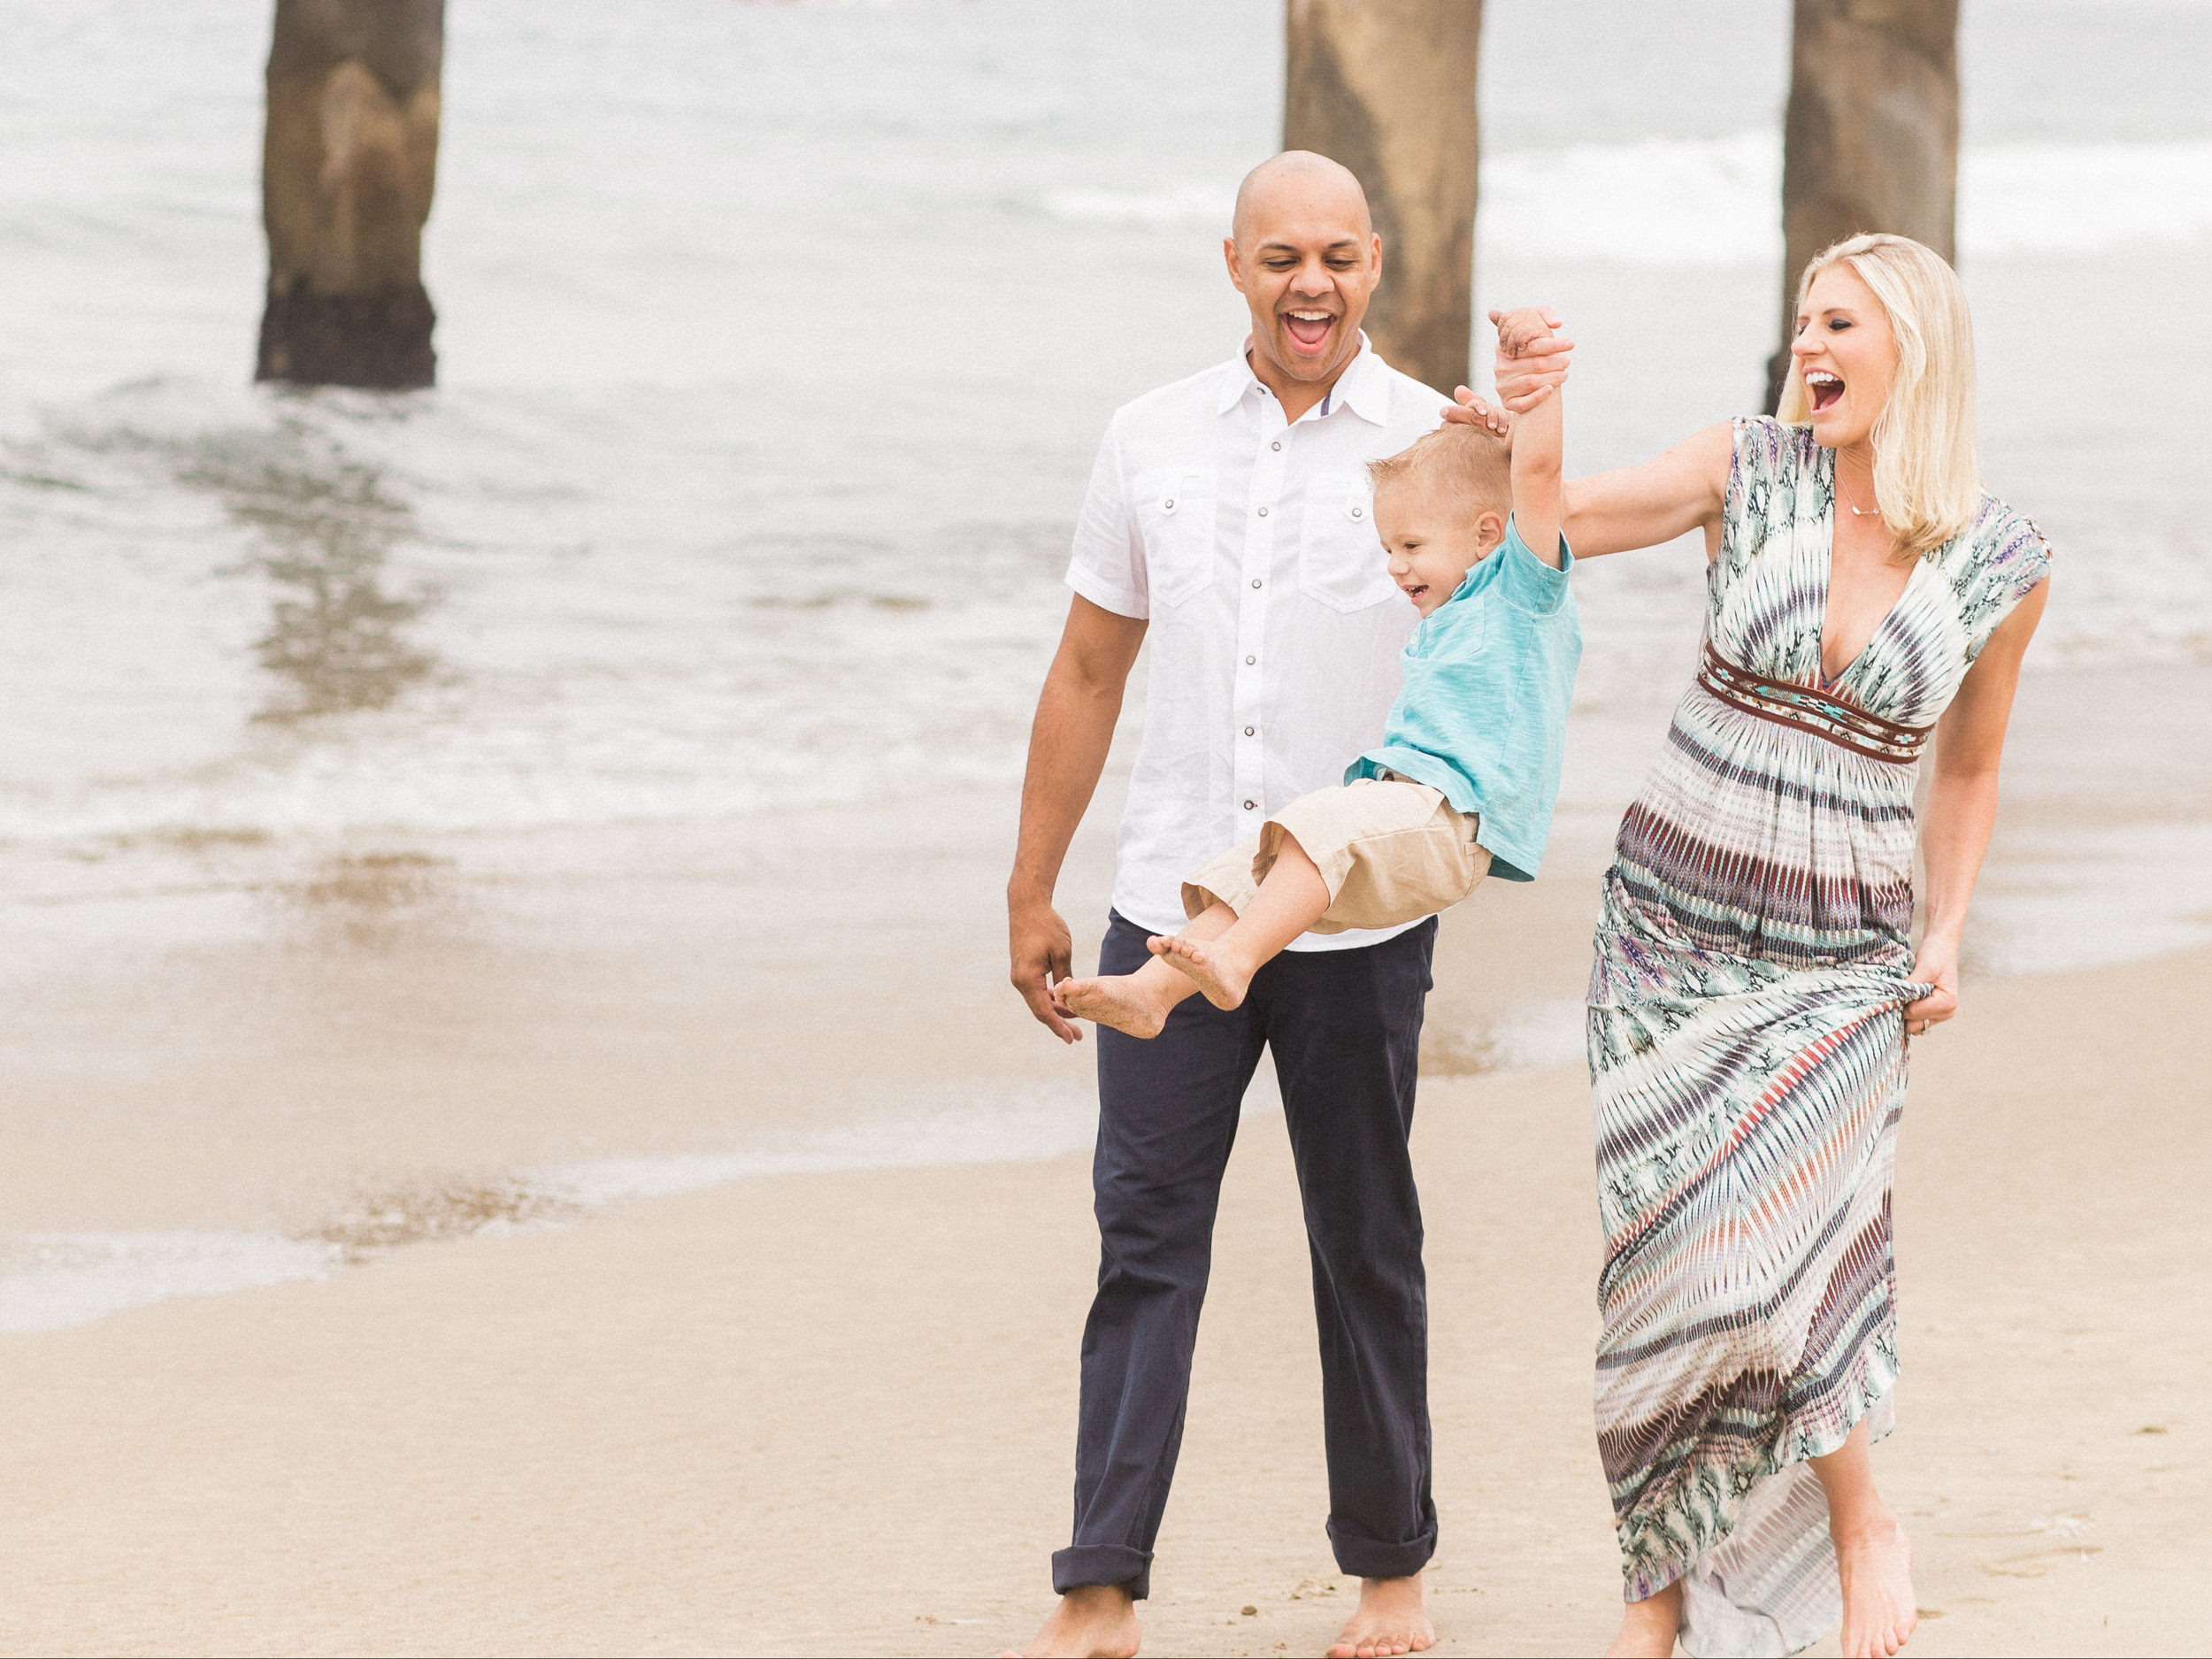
x,y
1483,715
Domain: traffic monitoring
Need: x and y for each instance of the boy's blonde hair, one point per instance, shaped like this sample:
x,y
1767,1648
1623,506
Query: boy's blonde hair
x,y
1472,465
1927,479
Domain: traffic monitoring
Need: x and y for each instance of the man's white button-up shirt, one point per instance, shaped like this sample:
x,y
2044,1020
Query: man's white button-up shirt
x,y
1248,542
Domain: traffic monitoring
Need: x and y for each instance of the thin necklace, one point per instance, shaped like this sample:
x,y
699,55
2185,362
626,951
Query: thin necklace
x,y
1857,512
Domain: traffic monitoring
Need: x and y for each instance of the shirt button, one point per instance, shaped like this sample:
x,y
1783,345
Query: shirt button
x,y
1249,661
1256,581
1277,444
1169,504
1248,806
1250,730
1263,513
1357,512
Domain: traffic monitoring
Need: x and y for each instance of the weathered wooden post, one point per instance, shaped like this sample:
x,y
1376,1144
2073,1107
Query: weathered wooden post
x,y
347,163
1387,88
1871,138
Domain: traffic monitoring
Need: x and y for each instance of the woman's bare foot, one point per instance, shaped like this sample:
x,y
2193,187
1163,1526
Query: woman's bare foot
x,y
1219,976
1094,1621
1123,1000
1649,1627
1392,1617
1876,1568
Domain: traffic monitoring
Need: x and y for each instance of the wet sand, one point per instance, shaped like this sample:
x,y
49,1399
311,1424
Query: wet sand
x,y
830,1413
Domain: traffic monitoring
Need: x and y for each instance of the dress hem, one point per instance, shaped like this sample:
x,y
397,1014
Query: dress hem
x,y
1673,1571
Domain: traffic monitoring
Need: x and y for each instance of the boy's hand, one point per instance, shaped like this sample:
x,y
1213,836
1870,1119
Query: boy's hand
x,y
1518,329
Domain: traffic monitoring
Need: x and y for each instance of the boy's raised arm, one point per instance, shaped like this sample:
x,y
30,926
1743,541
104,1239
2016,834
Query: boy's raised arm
x,y
1538,439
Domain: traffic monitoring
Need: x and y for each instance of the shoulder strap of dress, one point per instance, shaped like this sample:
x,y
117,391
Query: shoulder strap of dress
x,y
2005,557
1770,460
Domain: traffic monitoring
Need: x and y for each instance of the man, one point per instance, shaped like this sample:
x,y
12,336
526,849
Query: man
x,y
1229,515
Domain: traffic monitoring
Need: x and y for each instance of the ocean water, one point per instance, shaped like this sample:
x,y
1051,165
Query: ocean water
x,y
774,343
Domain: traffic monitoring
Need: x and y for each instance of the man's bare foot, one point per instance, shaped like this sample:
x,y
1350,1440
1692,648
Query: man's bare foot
x,y
1876,1568
1649,1627
1094,1621
1392,1617
1222,979
1120,1000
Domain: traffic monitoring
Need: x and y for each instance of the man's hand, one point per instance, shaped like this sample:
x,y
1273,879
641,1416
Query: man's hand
x,y
1067,749
1467,409
1042,955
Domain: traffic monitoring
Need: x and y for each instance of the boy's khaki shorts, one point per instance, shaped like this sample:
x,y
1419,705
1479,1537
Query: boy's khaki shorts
x,y
1391,850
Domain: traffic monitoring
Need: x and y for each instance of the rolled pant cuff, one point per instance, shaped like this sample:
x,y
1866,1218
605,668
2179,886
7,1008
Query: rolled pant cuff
x,y
1366,1558
1102,1563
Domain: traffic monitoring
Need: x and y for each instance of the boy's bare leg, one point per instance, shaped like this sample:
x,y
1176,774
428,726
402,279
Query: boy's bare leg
x,y
1140,1002
1094,1621
1290,900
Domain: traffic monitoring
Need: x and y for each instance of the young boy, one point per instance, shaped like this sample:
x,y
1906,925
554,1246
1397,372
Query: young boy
x,y
1468,767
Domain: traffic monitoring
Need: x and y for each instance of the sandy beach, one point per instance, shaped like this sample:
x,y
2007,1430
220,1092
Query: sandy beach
x,y
830,1413
517,1136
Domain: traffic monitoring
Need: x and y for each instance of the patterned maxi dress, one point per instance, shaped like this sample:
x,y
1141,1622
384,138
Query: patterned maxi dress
x,y
1748,1052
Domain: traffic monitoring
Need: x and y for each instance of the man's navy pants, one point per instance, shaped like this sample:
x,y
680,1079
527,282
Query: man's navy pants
x,y
1345,1026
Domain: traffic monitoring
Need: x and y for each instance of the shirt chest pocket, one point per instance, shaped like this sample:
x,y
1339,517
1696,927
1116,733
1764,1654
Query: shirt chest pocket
x,y
1341,557
1175,515
1454,636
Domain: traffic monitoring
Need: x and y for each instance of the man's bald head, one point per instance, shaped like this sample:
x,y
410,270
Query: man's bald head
x,y
1303,253
1303,184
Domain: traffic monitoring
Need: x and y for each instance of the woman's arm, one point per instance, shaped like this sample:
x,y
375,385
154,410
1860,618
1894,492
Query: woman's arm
x,y
1670,494
1673,494
1970,739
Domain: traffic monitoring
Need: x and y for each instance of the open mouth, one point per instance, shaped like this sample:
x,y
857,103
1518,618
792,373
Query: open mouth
x,y
1414,590
1309,330
1826,389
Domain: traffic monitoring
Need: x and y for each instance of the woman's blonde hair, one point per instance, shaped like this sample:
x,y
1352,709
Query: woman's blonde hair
x,y
1927,478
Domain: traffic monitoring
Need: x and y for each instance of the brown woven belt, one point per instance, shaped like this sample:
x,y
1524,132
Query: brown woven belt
x,y
1822,713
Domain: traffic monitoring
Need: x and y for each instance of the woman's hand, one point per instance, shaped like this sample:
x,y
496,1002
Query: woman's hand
x,y
1532,356
1937,965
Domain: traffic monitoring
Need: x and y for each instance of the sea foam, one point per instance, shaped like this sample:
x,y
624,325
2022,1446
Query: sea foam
x,y
1718,201
51,1280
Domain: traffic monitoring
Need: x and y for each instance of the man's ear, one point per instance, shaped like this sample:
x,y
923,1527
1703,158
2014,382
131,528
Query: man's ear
x,y
1229,253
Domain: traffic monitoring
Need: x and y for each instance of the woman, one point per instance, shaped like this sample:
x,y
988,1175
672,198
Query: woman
x,y
1756,982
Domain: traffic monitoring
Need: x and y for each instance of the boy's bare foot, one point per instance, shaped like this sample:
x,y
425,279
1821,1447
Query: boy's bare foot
x,y
1649,1627
1392,1614
1223,980
1876,1568
1094,1621
1120,1000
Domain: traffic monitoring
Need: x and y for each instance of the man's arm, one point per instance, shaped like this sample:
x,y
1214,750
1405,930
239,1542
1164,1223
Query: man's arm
x,y
1068,742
